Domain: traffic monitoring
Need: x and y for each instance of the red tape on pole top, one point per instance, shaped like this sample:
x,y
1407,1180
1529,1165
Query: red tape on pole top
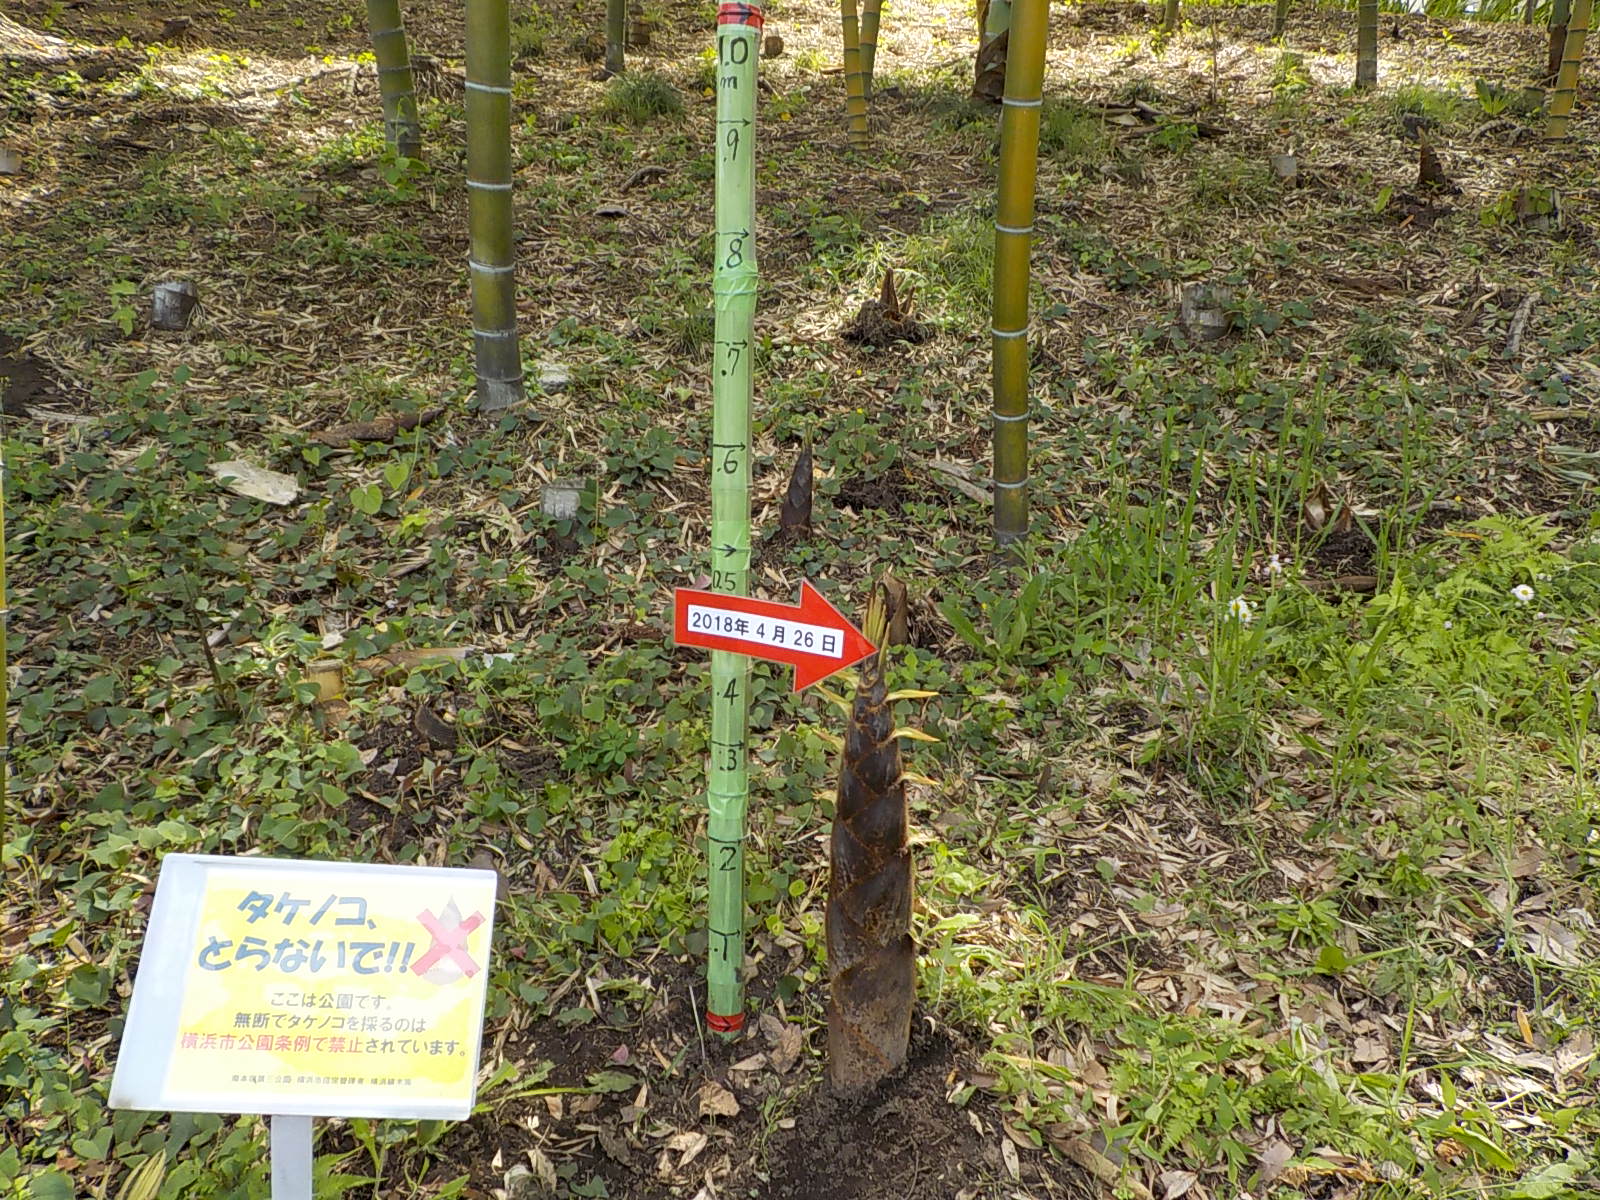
x,y
740,14
734,1023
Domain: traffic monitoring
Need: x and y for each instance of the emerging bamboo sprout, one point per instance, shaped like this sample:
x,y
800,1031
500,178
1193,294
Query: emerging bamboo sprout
x,y
855,92
1560,14
871,958
397,89
1566,89
794,514
490,261
994,36
871,14
616,35
732,389
1367,44
1013,235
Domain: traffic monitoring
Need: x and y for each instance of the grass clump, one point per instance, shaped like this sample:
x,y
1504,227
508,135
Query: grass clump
x,y
642,97
1070,133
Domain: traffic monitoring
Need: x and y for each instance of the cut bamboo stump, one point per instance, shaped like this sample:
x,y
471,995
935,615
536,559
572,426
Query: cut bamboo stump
x,y
1203,311
173,303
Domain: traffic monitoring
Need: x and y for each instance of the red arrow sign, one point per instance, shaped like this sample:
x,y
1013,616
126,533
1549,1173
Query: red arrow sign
x,y
815,637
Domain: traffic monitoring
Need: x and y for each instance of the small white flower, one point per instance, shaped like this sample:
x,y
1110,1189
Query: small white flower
x,y
1543,576
1522,593
1274,565
1240,609
1449,624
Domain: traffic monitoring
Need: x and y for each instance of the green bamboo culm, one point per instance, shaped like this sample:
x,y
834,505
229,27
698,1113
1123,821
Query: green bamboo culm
x,y
1560,14
1367,44
732,391
1566,89
855,89
397,88
1169,16
616,35
490,261
1280,18
1013,236
871,15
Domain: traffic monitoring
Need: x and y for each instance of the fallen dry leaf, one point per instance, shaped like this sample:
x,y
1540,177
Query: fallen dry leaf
x,y
257,483
717,1101
791,1042
1275,1156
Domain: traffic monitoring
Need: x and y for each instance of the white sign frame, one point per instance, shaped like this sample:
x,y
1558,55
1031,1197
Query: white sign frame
x,y
150,1034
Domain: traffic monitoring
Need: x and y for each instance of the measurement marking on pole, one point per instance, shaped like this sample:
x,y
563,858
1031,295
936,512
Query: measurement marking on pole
x,y
725,950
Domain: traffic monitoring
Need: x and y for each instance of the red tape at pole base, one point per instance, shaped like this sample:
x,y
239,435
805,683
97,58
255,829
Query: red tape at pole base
x,y
740,14
730,1024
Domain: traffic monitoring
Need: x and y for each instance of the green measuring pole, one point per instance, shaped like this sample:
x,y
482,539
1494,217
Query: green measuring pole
x,y
734,288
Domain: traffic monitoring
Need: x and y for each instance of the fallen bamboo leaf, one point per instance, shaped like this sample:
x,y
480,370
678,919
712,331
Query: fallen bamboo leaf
x,y
1101,1167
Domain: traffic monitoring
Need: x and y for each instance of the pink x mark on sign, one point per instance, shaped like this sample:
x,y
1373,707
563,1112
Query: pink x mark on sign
x,y
450,943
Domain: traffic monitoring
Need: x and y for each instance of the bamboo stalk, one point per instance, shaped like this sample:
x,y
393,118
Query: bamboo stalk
x,y
732,389
1280,18
616,35
1566,89
397,89
1169,16
871,958
1013,235
1560,14
490,262
871,14
855,94
1367,44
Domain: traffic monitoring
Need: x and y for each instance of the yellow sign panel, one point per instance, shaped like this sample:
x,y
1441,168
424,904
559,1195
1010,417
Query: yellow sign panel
x,y
309,988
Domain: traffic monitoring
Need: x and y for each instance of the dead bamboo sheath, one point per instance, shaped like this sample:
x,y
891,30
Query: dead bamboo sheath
x,y
402,128
1013,235
1560,14
490,262
855,95
1566,88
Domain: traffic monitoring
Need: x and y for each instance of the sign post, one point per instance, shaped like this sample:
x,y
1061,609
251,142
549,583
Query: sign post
x,y
301,989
